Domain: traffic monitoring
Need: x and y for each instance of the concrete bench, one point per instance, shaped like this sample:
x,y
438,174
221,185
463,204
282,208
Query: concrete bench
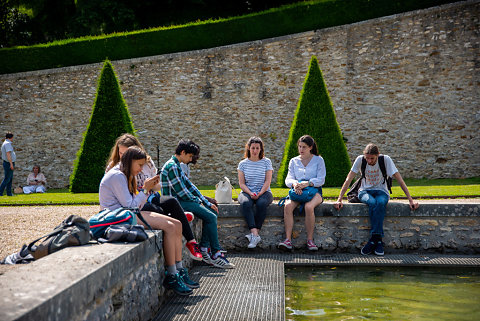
x,y
124,281
434,227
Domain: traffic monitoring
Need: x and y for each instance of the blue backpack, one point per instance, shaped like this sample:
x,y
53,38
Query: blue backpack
x,y
105,218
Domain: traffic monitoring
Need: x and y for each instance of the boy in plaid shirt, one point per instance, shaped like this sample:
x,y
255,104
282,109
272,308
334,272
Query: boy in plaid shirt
x,y
175,183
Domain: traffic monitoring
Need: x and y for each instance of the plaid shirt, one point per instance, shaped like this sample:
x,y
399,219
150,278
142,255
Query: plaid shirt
x,y
175,183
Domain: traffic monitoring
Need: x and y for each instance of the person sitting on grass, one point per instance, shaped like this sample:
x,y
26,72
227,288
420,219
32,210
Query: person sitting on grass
x,y
118,188
36,182
175,183
374,192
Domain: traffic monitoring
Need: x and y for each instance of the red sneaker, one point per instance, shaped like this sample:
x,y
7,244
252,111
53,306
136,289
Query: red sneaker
x,y
194,251
189,216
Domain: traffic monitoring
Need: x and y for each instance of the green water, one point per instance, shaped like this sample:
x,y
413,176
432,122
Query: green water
x,y
382,293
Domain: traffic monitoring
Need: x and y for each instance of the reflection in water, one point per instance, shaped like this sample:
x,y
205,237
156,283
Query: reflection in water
x,y
382,293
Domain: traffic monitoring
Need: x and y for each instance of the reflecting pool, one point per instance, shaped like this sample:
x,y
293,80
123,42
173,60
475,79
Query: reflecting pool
x,y
382,293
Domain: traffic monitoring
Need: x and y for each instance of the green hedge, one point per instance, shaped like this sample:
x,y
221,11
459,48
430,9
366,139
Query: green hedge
x,y
110,119
285,20
315,116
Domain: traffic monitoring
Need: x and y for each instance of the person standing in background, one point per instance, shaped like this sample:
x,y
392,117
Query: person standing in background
x,y
9,158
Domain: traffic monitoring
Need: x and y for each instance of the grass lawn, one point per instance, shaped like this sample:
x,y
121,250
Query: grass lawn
x,y
419,188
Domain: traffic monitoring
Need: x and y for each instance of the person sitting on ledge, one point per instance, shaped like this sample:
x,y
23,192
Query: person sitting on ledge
x,y
118,188
175,183
36,182
373,191
307,169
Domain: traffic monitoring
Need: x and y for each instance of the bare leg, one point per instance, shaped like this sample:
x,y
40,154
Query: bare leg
x,y
172,230
310,215
288,217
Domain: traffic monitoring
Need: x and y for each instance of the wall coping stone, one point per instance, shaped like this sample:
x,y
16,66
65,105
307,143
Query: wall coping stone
x,y
62,285
393,209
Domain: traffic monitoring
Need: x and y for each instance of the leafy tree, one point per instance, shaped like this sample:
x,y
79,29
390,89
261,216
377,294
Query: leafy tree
x,y
315,116
109,119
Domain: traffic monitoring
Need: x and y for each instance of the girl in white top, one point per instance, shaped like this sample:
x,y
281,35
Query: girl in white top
x,y
254,176
307,169
36,182
118,188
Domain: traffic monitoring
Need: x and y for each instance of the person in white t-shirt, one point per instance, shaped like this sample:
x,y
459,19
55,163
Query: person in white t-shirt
x,y
373,191
254,177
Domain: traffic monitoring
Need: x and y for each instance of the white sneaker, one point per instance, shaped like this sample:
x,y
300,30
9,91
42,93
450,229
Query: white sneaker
x,y
222,262
206,258
249,237
254,240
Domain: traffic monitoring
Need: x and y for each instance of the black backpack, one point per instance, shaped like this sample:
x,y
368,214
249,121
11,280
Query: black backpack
x,y
74,230
352,195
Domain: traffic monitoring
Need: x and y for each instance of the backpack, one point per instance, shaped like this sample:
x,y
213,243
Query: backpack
x,y
124,233
73,231
352,195
106,218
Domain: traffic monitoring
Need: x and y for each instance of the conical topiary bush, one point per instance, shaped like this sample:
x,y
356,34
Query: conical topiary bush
x,y
109,119
315,116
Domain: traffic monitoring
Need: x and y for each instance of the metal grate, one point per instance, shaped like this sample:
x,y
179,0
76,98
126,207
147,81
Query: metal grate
x,y
255,289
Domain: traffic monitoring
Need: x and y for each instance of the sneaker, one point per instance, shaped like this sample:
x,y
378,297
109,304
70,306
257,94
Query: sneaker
x,y
249,237
221,250
285,245
369,247
174,282
189,216
206,257
186,279
254,240
194,251
311,246
379,248
222,262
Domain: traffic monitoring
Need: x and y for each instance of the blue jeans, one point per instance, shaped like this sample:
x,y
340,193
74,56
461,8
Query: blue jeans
x,y
7,181
377,205
255,220
209,226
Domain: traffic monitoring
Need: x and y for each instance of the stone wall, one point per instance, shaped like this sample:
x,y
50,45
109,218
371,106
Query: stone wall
x,y
443,228
408,82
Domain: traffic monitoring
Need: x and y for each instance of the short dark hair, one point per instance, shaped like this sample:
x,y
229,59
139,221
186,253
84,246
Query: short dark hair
x,y
188,146
371,149
8,135
307,139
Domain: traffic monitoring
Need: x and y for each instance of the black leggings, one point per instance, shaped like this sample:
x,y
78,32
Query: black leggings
x,y
168,205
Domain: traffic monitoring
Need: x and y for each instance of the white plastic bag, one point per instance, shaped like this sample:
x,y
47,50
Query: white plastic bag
x,y
223,191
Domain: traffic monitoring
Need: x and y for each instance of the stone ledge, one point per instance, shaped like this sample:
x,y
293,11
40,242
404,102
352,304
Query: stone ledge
x,y
92,282
434,227
393,209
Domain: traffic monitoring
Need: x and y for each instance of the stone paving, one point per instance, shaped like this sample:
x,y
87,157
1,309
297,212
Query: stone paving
x,y
255,289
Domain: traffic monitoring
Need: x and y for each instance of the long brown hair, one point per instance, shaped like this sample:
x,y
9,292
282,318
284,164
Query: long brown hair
x,y
132,153
254,140
126,140
307,139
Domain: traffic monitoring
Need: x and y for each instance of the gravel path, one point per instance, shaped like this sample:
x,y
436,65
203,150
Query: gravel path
x,y
23,224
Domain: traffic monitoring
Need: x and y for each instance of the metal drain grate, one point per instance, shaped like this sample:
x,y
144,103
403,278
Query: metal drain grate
x,y
255,289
